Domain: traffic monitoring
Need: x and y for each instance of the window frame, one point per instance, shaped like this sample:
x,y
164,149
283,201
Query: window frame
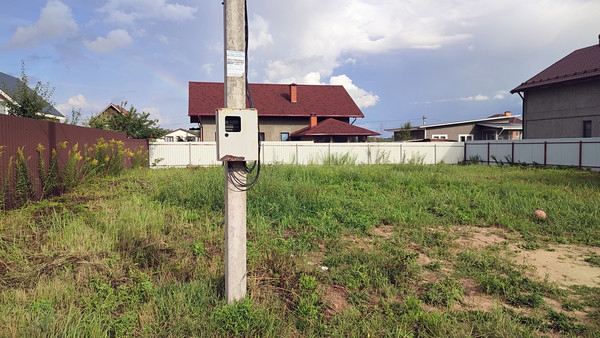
x,y
587,128
467,137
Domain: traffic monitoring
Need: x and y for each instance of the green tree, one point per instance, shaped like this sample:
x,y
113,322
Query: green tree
x,y
136,125
75,118
26,102
404,133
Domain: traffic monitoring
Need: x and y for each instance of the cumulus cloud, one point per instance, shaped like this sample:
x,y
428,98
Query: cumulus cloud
x,y
361,97
115,39
259,35
130,11
313,38
55,22
77,102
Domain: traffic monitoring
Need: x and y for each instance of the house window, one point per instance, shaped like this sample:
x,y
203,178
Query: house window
x,y
440,136
490,134
465,137
285,136
169,139
587,128
261,137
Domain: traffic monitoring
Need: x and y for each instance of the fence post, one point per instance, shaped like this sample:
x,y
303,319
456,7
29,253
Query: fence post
x,y
488,153
580,153
545,151
512,152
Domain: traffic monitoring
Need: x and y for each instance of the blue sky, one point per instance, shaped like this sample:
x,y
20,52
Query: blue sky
x,y
399,60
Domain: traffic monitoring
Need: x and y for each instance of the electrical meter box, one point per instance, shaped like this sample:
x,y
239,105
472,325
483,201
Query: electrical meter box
x,y
237,134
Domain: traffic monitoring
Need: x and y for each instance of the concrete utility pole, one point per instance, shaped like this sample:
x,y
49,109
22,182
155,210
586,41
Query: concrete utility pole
x,y
235,199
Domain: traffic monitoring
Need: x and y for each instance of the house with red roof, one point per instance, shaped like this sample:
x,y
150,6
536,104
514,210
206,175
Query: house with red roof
x,y
294,112
113,109
563,100
496,127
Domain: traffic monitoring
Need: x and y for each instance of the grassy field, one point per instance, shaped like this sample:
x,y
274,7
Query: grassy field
x,y
345,251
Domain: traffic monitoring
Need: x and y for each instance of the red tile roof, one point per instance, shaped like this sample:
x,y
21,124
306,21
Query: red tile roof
x,y
274,100
333,127
581,64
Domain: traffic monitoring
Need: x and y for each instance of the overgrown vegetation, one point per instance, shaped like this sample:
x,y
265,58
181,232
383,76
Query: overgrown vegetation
x,y
18,183
339,251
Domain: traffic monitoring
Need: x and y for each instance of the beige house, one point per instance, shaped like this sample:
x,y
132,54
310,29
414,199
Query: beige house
x,y
563,101
496,127
319,113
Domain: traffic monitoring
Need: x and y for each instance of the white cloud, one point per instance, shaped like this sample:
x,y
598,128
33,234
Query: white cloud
x,y
131,11
55,22
500,95
361,97
313,36
115,39
154,114
478,97
207,68
75,103
259,35
178,12
162,39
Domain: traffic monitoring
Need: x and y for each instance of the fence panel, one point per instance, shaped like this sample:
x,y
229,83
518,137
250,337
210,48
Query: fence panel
x,y
562,153
590,154
583,152
181,154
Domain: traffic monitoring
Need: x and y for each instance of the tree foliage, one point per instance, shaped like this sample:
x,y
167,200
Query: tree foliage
x,y
404,133
26,102
136,125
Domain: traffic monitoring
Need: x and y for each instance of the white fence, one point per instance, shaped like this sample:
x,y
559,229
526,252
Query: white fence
x,y
551,152
582,153
183,154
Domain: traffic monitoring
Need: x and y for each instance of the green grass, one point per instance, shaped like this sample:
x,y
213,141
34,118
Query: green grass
x,y
332,251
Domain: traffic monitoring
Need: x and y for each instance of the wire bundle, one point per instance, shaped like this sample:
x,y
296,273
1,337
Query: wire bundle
x,y
239,180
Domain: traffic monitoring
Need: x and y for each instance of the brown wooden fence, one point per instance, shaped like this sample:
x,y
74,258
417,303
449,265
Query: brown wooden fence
x,y
27,134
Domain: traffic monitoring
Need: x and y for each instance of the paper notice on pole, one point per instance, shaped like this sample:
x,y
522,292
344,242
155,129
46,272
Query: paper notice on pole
x,y
236,63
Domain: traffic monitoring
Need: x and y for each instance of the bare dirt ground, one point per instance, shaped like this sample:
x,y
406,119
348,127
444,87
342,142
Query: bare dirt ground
x,y
563,264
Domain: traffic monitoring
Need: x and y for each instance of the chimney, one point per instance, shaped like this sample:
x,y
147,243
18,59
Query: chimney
x,y
507,113
293,93
313,120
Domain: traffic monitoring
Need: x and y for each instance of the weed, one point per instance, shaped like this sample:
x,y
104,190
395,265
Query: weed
x,y
443,293
593,259
242,319
564,324
475,159
338,159
24,189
